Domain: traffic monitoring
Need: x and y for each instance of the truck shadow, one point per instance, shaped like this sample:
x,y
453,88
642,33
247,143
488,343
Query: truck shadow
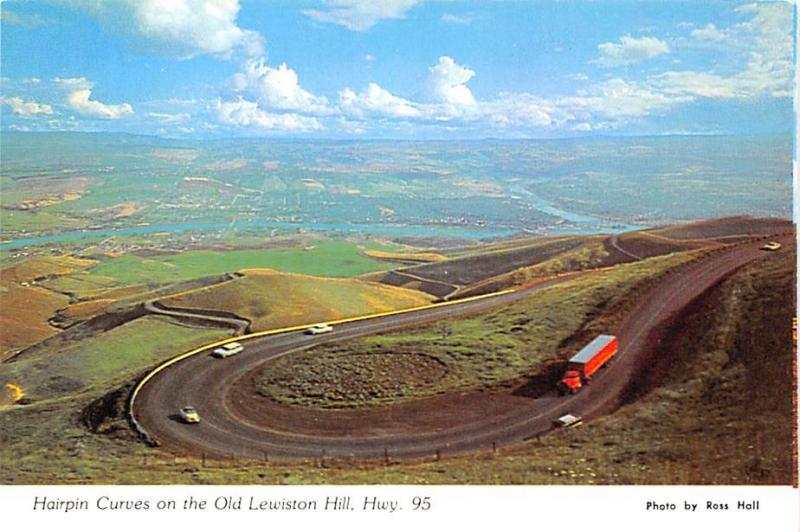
x,y
542,383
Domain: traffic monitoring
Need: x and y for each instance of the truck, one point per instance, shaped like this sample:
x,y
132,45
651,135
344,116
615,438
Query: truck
x,y
586,362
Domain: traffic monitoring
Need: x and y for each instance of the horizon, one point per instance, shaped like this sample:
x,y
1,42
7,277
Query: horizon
x,y
595,136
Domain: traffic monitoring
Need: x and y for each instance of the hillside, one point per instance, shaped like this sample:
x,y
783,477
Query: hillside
x,y
269,298
27,307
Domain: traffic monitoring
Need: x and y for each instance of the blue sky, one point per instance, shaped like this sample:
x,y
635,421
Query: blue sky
x,y
397,68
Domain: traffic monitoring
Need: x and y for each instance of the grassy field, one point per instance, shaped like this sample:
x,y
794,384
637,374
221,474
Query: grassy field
x,y
720,414
46,438
275,299
129,279
106,360
522,338
330,258
22,223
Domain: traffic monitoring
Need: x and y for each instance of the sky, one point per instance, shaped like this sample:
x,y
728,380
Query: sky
x,y
404,69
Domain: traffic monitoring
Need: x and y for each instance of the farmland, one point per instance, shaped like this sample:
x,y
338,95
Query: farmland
x,y
332,258
467,190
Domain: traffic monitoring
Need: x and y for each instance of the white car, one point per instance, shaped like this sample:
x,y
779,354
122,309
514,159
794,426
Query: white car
x,y
568,421
771,246
319,328
228,350
190,415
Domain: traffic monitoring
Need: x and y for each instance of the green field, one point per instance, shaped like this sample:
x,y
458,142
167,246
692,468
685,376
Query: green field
x,y
103,361
330,258
34,222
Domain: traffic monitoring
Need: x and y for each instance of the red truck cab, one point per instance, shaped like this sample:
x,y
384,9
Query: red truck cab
x,y
571,382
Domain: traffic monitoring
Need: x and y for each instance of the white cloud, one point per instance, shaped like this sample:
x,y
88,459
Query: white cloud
x,y
620,99
449,101
461,20
755,60
26,109
689,83
170,118
351,127
446,98
522,110
247,114
770,64
582,126
630,51
765,39
179,28
81,102
360,15
375,100
79,99
277,88
447,82
708,33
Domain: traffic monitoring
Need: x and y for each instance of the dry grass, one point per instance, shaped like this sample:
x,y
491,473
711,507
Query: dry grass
x,y
35,267
25,311
420,256
650,245
86,309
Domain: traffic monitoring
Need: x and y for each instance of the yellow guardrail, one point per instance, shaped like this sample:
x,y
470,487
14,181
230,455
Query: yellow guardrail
x,y
272,332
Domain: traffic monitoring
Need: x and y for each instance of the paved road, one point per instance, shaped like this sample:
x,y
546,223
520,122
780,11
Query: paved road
x,y
225,431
